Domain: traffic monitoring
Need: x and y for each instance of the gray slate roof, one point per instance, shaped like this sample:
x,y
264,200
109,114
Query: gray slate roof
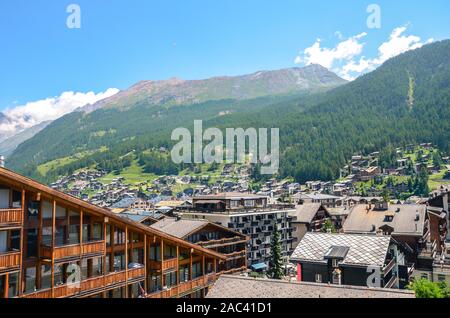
x,y
363,250
180,228
305,213
361,221
241,287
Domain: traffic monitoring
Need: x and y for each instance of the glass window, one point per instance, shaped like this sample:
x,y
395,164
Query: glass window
x,y
84,269
33,209
47,209
108,263
119,261
170,252
47,235
108,235
2,286
97,232
119,236
13,287
155,253
59,274
196,270
170,279
60,212
16,199
60,235
30,279
74,234
3,242
46,276
137,256
184,273
97,266
318,278
155,283
32,242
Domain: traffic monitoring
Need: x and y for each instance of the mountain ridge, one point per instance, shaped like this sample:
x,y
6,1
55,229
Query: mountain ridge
x,y
176,91
318,132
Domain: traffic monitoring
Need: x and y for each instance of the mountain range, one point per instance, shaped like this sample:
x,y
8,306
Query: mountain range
x,y
323,120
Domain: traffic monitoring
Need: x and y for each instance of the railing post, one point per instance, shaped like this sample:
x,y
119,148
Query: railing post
x,y
126,261
21,274
53,247
145,264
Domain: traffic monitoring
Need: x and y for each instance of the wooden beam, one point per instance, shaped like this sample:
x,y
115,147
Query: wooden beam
x,y
39,269
146,262
53,247
6,290
190,266
126,261
21,274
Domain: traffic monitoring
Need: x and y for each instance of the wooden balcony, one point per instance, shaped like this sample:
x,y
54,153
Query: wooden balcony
x,y
94,283
170,264
11,217
70,251
186,287
222,242
115,278
136,273
10,260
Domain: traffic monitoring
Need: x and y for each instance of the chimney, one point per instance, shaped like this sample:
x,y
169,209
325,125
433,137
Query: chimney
x,y
2,161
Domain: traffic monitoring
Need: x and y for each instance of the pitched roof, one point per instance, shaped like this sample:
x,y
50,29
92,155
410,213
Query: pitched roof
x,y
362,220
316,196
362,249
33,185
305,213
230,195
228,286
179,228
171,203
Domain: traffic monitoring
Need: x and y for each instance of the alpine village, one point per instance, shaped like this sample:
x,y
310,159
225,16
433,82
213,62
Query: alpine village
x,y
91,205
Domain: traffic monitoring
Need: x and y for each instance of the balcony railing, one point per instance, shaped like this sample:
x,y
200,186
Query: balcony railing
x,y
389,266
10,260
68,251
169,264
11,216
94,283
186,287
391,282
218,243
136,273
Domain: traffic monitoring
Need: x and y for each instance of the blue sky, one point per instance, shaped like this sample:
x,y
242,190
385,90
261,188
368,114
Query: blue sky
x,y
123,41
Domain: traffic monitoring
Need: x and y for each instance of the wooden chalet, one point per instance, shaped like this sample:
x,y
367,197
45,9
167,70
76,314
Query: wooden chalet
x,y
53,245
212,236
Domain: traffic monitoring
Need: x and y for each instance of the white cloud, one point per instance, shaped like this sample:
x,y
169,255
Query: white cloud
x,y
346,59
24,116
345,50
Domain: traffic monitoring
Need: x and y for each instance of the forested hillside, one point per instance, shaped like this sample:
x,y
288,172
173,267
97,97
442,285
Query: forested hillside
x,y
407,100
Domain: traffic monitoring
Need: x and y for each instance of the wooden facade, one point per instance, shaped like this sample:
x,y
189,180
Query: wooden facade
x,y
53,245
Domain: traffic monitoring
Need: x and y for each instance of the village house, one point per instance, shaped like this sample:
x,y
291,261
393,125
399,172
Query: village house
x,y
350,259
328,201
212,236
250,215
309,217
408,224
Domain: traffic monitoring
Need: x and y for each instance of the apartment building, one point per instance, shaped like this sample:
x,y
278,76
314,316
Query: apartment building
x,y
53,245
250,215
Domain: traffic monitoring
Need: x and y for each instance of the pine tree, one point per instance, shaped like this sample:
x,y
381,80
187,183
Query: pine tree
x,y
276,263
